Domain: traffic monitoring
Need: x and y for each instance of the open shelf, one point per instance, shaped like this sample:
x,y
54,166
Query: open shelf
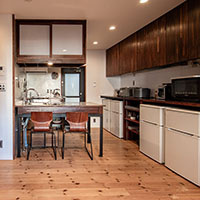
x,y
132,108
131,120
133,131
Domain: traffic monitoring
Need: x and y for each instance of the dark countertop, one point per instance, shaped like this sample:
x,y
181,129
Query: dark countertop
x,y
157,101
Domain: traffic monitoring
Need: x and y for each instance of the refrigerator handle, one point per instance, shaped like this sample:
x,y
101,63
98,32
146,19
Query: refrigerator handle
x,y
150,123
180,132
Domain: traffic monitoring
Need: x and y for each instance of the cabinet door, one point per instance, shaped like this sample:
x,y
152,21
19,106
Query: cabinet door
x,y
67,39
182,154
160,56
114,125
141,49
106,119
128,54
194,28
177,34
112,61
34,40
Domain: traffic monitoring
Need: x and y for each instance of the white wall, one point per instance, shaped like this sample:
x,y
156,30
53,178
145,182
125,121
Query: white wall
x,y
96,82
6,108
152,79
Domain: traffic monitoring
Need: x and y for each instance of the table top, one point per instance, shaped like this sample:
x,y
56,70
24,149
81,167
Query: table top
x,y
62,104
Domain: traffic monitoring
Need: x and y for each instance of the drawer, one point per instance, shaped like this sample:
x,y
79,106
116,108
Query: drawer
x,y
183,120
116,106
182,154
153,114
152,141
106,103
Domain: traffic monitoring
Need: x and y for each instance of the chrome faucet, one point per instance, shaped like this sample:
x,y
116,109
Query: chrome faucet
x,y
56,92
29,89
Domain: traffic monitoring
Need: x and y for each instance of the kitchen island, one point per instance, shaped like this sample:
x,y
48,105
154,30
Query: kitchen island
x,y
59,110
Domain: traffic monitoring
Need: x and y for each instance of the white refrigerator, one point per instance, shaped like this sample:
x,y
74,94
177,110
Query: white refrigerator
x,y
182,147
152,131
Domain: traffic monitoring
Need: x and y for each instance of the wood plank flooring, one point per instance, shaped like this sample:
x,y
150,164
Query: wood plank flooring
x,y
123,173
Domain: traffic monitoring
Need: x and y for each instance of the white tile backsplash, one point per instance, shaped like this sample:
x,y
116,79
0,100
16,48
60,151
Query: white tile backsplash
x,y
41,82
153,78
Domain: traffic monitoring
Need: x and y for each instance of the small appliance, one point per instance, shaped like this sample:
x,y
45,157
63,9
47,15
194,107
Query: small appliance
x,y
164,91
125,92
186,88
139,92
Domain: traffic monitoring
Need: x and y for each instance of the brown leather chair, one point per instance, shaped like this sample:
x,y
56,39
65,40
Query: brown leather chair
x,y
77,124
42,124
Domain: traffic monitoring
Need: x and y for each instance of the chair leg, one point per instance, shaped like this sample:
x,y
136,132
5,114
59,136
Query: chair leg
x,y
91,150
54,145
63,146
45,140
29,146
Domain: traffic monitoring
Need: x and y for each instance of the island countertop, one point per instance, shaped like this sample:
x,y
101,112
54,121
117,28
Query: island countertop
x,y
58,110
62,104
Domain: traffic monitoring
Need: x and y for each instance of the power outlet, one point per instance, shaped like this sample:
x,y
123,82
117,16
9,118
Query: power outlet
x,y
2,87
1,143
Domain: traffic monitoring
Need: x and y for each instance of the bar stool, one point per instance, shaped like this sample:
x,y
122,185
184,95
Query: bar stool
x,y
77,124
42,124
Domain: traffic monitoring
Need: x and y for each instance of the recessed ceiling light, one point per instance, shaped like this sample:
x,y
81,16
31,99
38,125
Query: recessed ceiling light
x,y
50,63
64,50
112,28
95,42
143,1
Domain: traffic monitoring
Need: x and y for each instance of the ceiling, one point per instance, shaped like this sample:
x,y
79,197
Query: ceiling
x,y
127,15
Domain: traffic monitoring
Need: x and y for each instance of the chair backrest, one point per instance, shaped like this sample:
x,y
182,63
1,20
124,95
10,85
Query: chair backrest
x,y
41,120
77,121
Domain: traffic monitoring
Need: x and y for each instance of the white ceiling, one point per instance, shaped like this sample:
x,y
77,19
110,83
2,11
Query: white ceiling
x,y
127,15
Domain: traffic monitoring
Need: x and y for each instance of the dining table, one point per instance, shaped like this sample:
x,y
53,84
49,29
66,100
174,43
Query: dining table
x,y
59,110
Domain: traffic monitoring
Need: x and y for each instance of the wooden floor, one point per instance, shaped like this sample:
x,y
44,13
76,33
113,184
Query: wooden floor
x,y
123,173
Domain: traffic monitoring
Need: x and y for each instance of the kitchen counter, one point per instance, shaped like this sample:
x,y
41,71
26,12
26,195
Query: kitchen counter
x,y
183,104
61,104
23,110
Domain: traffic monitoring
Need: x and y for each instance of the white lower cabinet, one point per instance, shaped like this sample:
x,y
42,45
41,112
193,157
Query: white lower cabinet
x,y
182,154
182,143
106,119
152,141
113,117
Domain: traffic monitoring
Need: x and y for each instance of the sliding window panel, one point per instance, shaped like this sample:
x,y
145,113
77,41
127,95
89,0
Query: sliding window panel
x,y
67,39
34,40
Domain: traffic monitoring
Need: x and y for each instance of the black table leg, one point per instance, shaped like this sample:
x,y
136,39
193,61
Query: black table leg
x,y
101,137
89,129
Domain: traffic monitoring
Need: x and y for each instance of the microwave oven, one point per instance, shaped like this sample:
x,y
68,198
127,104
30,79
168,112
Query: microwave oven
x,y
186,88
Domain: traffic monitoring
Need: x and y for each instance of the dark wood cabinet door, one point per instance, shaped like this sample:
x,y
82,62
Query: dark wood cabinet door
x,y
152,45
141,49
194,28
160,59
112,61
128,54
177,34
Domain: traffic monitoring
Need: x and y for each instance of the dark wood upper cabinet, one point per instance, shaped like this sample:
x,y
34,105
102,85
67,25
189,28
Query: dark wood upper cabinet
x,y
171,39
128,54
58,41
141,49
194,29
152,45
112,61
177,34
